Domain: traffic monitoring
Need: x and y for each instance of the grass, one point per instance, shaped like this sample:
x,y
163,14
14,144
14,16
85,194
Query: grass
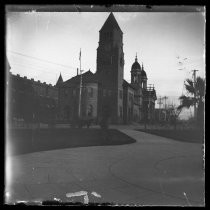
x,y
188,135
27,140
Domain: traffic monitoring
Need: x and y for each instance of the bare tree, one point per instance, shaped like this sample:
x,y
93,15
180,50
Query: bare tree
x,y
174,114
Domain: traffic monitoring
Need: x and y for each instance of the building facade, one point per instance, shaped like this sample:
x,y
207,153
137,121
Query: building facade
x,y
71,101
99,95
30,101
106,92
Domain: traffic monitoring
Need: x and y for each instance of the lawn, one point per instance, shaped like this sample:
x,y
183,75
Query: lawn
x,y
188,135
27,140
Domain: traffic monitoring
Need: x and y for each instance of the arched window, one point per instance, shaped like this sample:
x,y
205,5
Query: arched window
x,y
90,111
135,79
90,92
74,92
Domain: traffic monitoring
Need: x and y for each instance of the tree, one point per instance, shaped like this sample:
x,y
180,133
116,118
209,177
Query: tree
x,y
194,97
174,115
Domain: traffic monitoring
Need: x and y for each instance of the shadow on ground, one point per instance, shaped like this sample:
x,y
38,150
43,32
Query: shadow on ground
x,y
27,140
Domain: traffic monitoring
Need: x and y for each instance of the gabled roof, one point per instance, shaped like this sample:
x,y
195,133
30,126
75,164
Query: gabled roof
x,y
87,77
111,23
125,83
60,80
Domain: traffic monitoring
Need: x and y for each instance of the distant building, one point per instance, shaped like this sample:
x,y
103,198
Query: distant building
x,y
106,91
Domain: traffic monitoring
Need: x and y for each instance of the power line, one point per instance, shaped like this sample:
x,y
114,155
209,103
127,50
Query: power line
x,y
40,67
17,53
37,68
32,67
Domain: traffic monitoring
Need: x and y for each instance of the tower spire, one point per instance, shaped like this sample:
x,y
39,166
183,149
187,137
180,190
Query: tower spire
x,y
111,23
60,80
136,59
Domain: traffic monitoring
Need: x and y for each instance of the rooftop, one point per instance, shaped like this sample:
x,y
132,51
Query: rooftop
x,y
111,23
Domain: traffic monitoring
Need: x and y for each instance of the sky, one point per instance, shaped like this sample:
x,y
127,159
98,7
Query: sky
x,y
41,45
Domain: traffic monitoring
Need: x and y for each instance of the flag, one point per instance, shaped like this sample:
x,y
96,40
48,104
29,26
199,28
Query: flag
x,y
80,54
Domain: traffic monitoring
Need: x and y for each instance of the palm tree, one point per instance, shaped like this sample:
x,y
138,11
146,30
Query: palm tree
x,y
194,97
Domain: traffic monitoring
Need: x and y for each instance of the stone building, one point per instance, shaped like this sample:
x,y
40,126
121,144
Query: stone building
x,y
30,101
106,91
69,91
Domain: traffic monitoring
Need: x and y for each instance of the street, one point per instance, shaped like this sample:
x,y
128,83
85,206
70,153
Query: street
x,y
152,171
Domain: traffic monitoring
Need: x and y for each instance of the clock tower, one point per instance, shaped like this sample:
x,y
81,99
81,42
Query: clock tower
x,y
110,68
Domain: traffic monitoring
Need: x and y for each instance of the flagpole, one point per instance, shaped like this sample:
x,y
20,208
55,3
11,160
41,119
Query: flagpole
x,y
80,89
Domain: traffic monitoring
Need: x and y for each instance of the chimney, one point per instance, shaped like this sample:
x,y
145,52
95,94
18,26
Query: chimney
x,y
77,71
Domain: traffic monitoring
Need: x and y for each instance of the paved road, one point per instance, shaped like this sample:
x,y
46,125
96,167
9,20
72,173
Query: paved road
x,y
152,171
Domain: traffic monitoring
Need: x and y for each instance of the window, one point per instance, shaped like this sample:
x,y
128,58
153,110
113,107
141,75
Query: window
x,y
120,94
90,92
129,96
121,112
108,36
74,92
90,111
65,92
109,92
129,113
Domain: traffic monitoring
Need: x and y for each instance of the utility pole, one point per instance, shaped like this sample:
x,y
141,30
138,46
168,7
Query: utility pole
x,y
165,97
160,102
80,88
194,79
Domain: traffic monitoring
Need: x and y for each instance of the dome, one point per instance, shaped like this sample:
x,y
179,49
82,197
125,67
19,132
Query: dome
x,y
136,65
143,73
